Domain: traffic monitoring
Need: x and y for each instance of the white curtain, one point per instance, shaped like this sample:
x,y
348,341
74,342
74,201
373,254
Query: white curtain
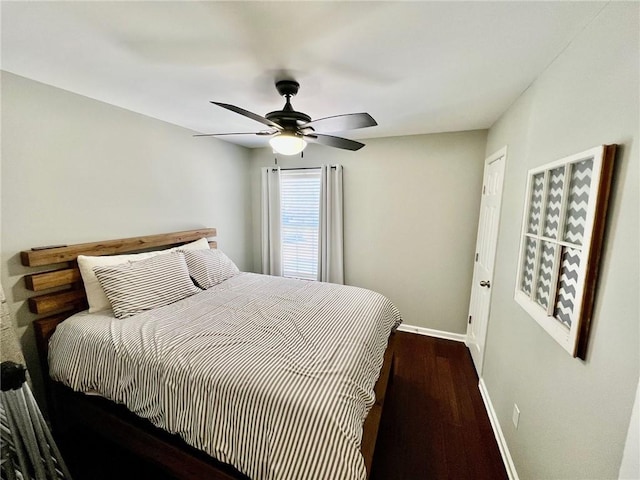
x,y
271,222
330,258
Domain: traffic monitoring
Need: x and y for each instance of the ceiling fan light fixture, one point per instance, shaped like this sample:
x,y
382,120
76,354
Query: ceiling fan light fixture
x,y
288,144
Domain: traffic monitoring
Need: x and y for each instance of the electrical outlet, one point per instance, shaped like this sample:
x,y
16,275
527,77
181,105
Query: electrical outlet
x,y
516,416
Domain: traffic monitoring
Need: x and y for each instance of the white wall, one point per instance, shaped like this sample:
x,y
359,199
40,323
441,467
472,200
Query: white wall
x,y
411,212
77,170
630,466
574,414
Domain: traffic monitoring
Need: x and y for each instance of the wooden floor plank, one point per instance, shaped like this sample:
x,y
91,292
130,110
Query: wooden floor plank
x,y
453,439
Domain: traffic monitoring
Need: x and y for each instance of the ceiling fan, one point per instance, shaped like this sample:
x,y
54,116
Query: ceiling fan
x,y
289,130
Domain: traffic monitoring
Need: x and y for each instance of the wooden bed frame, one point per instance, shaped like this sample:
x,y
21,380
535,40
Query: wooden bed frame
x,y
64,295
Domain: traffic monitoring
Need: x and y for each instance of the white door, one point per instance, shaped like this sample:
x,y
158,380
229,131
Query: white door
x,y
485,256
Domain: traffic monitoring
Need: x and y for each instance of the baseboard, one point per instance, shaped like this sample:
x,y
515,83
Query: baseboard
x,y
497,431
458,337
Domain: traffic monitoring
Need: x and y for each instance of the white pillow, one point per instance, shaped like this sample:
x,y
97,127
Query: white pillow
x,y
210,267
136,287
95,294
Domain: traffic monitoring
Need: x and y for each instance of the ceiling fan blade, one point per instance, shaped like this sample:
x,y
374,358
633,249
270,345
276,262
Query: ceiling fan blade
x,y
338,123
233,133
247,113
332,141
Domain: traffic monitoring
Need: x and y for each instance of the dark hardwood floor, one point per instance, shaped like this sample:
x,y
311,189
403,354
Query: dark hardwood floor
x,y
434,424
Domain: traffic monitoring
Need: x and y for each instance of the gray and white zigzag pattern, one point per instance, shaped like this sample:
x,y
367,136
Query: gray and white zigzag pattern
x,y
567,285
535,206
527,268
544,274
579,190
554,201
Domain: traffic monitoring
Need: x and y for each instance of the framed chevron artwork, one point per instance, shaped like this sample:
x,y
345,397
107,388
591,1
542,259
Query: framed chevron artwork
x,y
562,229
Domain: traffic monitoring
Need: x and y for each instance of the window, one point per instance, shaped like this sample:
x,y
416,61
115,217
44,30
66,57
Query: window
x,y
300,210
562,230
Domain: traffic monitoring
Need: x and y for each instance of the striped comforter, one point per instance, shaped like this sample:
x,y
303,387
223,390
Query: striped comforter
x,y
273,376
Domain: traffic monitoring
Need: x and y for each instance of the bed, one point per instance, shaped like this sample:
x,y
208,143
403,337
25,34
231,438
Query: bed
x,y
255,376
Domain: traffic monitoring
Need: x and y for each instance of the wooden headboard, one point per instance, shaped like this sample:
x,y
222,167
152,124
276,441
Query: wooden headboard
x,y
60,289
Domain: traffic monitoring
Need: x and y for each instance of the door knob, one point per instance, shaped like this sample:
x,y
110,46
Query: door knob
x,y
485,283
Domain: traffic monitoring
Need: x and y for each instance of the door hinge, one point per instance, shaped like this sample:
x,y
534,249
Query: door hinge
x,y
484,189
469,318
476,257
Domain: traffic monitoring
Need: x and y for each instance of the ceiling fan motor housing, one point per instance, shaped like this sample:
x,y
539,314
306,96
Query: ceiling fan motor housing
x,y
288,117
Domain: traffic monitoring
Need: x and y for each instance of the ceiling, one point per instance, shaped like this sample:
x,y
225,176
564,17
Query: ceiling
x,y
416,67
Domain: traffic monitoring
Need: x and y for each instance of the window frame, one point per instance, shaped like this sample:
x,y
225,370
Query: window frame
x,y
292,172
573,337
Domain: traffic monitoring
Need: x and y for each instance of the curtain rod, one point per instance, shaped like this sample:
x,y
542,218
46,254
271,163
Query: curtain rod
x,y
301,168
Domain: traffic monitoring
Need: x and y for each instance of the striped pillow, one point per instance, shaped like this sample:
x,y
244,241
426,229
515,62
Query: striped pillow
x,y
209,267
95,294
135,287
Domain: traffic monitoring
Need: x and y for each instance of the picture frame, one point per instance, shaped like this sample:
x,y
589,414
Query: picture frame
x,y
560,243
